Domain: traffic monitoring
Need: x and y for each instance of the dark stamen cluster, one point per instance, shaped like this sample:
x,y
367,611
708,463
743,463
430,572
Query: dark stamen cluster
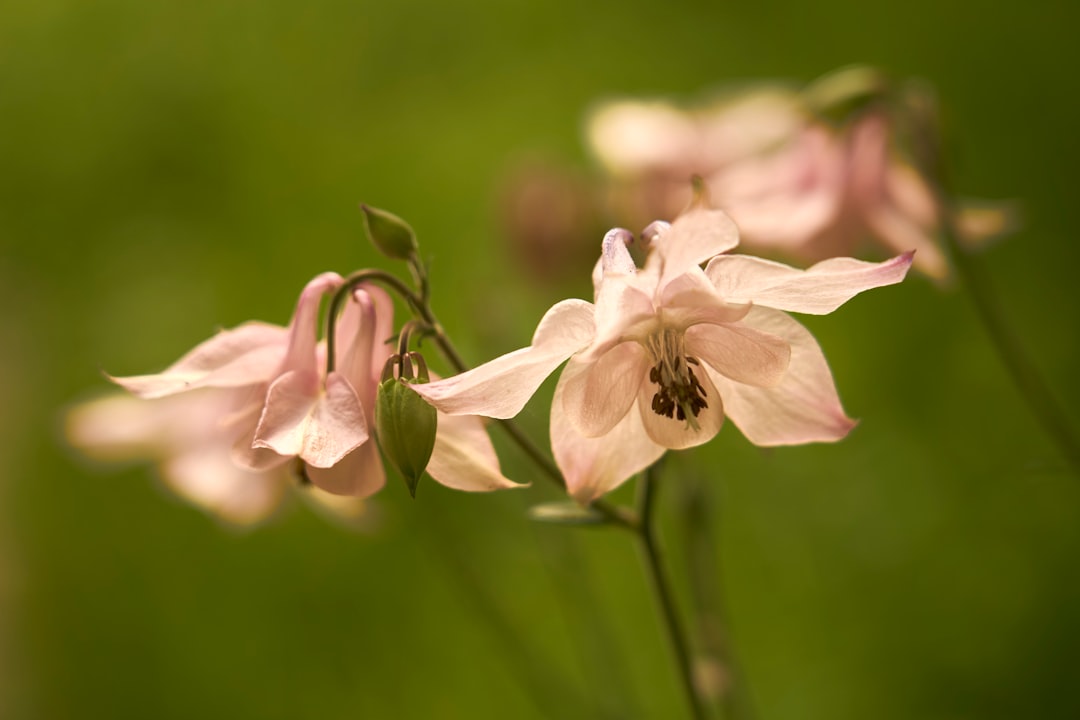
x,y
674,399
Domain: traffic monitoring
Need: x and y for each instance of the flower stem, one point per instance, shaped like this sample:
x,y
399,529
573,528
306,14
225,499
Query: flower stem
x,y
661,584
1025,374
391,282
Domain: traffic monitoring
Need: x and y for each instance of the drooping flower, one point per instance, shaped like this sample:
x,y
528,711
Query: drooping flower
x,y
267,389
182,434
666,351
463,457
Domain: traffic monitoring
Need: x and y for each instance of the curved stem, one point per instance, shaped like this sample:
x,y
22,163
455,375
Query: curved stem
x,y
391,282
664,595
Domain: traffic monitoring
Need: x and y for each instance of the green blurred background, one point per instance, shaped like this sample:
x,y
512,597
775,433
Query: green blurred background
x,y
167,168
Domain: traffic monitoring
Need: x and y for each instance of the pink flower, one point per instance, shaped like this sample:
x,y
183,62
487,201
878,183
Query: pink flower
x,y
182,434
667,350
282,405
821,194
792,183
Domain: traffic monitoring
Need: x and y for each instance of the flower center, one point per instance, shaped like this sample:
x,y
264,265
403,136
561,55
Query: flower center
x,y
679,393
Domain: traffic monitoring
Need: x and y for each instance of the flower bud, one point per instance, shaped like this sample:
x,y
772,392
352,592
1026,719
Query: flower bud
x,y
842,93
406,426
391,235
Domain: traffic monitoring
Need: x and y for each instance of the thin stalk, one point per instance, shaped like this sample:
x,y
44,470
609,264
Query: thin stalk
x,y
725,686
661,584
1038,395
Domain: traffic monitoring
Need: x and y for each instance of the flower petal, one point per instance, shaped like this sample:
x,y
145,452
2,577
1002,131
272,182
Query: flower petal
x,y
693,238
301,419
363,329
818,290
691,299
740,352
594,466
804,407
464,458
358,474
248,354
303,331
676,434
596,395
501,387
211,481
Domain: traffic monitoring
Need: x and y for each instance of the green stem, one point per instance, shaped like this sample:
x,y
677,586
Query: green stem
x,y
1038,395
391,282
646,532
1021,367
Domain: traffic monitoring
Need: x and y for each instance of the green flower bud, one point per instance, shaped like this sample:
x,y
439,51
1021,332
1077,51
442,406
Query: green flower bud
x,y
406,426
844,92
391,235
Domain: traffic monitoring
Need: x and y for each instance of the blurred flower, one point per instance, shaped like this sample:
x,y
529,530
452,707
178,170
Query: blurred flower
x,y
667,350
792,182
651,149
264,390
182,434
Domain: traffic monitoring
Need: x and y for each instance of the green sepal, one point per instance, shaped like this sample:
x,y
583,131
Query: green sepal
x,y
406,425
843,93
391,235
565,512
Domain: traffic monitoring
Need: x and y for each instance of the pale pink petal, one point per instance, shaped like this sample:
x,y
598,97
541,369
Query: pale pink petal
x,y
898,232
246,355
303,328
300,418
211,481
598,394
241,425
804,407
693,238
911,195
676,434
464,458
818,290
789,197
359,474
594,466
501,387
630,137
615,258
622,307
691,299
740,352
363,330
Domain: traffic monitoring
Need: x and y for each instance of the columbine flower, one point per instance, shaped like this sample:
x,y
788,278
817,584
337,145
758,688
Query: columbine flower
x,y
181,434
666,351
792,182
273,401
823,193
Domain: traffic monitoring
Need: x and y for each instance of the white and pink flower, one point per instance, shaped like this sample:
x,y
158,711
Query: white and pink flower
x,y
667,350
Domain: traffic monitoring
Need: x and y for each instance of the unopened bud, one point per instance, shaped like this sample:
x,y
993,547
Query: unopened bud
x,y
391,235
405,423
841,93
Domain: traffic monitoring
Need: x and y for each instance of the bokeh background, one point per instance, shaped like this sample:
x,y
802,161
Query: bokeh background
x,y
169,168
